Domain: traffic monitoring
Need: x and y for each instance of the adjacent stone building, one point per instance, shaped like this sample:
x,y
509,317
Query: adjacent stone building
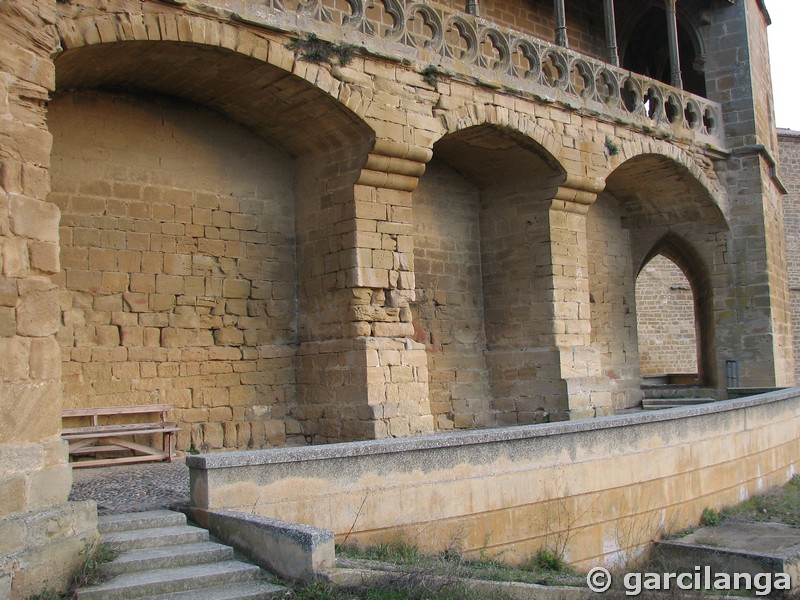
x,y
309,221
789,144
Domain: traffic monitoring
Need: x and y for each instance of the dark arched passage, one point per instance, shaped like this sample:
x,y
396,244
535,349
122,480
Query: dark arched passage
x,y
645,48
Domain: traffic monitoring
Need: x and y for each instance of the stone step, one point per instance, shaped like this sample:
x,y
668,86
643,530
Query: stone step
x,y
736,548
159,582
169,556
153,538
250,590
140,520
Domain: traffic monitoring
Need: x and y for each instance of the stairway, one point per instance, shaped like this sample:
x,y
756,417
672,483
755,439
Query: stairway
x,y
163,558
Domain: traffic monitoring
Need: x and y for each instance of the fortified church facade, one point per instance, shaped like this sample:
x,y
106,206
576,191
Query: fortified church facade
x,y
312,221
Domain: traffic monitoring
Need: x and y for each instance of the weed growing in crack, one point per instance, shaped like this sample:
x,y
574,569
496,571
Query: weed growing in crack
x,y
316,50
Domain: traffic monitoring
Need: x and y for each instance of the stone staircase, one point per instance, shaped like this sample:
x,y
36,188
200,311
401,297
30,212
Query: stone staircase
x,y
163,558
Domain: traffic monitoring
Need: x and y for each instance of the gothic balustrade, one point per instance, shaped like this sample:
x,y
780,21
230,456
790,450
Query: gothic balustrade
x,y
448,41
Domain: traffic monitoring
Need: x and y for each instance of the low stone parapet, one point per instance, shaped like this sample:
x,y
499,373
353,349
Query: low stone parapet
x,y
595,490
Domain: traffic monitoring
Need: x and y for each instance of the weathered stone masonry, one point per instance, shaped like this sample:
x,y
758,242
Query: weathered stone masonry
x,y
790,175
444,233
184,292
665,320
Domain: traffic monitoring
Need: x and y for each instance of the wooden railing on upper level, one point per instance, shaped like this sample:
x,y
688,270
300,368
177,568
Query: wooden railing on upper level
x,y
429,34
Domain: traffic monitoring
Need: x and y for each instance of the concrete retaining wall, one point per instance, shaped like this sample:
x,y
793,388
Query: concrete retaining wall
x,y
289,550
598,490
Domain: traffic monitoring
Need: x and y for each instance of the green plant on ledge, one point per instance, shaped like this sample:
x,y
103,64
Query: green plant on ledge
x,y
315,50
711,517
431,74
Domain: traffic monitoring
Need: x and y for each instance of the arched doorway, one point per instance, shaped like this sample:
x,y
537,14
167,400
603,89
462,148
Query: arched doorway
x,y
653,206
665,324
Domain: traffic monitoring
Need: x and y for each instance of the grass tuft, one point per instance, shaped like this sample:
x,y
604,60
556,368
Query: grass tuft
x,y
547,560
316,50
90,572
781,505
396,552
710,517
545,568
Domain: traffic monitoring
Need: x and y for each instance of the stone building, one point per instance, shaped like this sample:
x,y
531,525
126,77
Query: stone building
x,y
309,221
789,146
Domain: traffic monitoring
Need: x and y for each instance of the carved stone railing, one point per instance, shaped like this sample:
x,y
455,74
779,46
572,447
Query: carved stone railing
x,y
426,33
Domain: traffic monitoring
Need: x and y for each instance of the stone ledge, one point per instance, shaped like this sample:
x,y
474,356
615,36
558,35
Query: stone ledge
x,y
735,547
365,572
472,437
290,550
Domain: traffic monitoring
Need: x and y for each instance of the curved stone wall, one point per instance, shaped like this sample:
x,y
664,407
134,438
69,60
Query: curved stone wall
x,y
598,490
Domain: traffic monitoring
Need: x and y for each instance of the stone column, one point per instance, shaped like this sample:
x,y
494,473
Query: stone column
x,y
672,36
42,534
537,305
561,24
578,362
473,8
383,283
360,374
611,32
751,305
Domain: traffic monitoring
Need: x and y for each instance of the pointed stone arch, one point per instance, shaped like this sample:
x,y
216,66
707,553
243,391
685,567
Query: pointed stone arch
x,y
655,197
680,251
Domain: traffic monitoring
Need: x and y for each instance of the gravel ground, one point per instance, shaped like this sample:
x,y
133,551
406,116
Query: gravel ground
x,y
133,488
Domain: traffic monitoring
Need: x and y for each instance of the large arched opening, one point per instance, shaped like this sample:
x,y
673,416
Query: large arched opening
x,y
191,183
644,47
481,256
652,206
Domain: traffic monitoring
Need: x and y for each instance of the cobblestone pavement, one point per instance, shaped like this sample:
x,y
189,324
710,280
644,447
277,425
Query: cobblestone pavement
x,y
133,488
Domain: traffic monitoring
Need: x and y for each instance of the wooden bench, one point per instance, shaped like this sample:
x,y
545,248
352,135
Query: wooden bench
x,y
91,433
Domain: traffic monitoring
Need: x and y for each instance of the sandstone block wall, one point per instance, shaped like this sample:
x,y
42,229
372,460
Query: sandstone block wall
x,y
450,299
310,292
665,320
613,331
789,149
41,534
265,249
755,227
178,275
